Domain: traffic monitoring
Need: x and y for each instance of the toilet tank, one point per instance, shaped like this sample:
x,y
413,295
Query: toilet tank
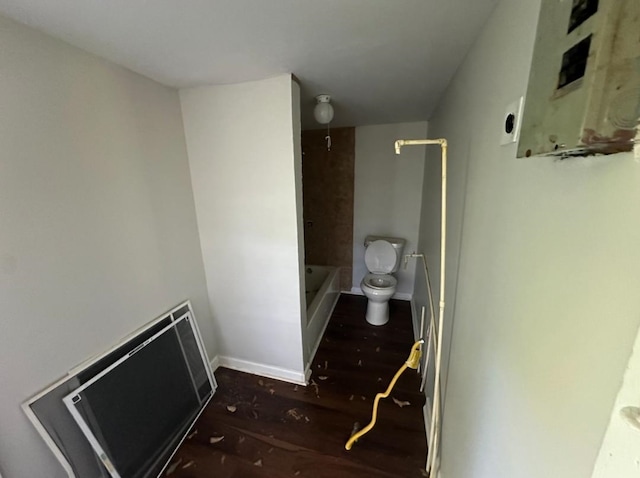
x,y
397,243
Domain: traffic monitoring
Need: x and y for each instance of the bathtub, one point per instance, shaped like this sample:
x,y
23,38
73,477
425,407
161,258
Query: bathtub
x,y
322,289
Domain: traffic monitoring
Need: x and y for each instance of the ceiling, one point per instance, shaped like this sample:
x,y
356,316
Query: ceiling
x,y
382,61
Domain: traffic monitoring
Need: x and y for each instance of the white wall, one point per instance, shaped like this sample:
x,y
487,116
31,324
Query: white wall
x,y
620,452
240,140
387,194
97,223
546,308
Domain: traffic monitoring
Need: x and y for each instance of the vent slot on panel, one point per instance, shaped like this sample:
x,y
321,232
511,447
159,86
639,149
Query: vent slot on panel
x,y
581,11
574,62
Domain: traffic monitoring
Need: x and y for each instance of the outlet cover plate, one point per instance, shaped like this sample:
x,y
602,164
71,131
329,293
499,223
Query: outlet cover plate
x,y
511,121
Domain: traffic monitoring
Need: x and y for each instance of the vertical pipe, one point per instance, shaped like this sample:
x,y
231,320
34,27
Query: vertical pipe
x,y
421,336
438,364
435,414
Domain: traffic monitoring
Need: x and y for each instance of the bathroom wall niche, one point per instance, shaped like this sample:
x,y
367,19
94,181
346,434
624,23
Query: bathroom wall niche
x,y
584,86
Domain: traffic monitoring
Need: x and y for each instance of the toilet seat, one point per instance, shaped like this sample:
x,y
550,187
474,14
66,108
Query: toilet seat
x,y
380,257
380,281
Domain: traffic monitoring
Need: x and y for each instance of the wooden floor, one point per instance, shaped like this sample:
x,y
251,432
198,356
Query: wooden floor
x,y
277,429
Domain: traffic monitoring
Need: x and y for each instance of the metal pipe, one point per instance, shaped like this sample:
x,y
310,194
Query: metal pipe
x,y
435,415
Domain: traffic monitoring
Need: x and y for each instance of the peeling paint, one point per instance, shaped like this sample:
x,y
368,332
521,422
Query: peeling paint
x,y
620,141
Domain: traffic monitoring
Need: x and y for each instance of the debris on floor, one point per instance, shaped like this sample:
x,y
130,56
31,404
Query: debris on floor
x,y
360,363
188,464
326,364
195,432
322,377
377,349
351,398
296,415
315,386
400,403
268,385
356,427
258,462
173,467
241,439
222,459
214,440
232,408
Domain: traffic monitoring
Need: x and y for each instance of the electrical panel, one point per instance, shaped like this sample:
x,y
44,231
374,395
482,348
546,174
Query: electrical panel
x,y
584,86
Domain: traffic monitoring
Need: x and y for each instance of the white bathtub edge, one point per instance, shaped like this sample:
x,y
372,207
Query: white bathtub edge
x,y
319,339
267,371
332,272
318,314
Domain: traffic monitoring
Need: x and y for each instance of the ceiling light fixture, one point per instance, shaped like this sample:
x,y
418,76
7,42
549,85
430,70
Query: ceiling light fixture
x,y
323,112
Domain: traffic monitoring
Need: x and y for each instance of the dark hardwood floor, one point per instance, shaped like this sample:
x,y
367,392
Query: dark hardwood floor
x,y
277,429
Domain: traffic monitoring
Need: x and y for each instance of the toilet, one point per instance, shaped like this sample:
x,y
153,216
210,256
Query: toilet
x,y
382,257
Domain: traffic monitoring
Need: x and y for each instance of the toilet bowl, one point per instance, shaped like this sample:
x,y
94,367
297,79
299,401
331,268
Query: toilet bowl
x,y
382,256
378,288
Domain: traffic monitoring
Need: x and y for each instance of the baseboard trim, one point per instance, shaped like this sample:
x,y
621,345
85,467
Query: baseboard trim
x,y
426,413
397,295
267,371
215,363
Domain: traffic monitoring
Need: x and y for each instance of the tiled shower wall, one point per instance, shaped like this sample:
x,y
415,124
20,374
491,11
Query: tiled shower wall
x,y
327,185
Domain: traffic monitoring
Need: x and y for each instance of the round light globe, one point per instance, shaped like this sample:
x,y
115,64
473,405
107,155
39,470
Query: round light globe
x,y
323,112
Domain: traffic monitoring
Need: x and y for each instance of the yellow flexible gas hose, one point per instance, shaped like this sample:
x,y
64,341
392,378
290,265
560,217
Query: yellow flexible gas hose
x,y
412,362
